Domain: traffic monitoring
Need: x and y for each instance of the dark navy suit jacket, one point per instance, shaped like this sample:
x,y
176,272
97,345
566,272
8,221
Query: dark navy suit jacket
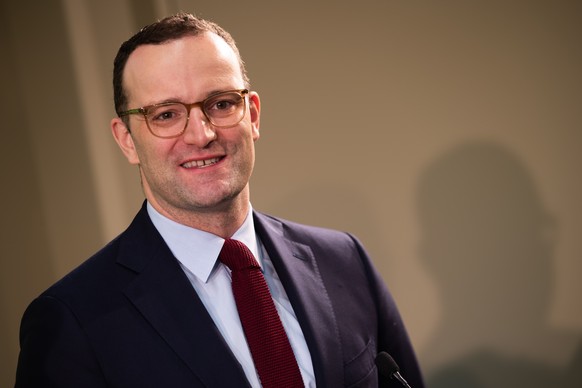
x,y
129,317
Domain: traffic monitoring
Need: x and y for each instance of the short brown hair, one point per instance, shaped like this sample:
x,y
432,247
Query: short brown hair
x,y
170,28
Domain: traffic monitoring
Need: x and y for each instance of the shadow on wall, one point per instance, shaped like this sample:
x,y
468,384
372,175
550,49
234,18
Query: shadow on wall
x,y
488,241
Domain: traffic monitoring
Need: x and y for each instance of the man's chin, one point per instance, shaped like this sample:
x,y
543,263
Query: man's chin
x,y
218,202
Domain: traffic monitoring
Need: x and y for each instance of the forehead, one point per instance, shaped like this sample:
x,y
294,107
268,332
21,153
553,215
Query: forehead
x,y
181,67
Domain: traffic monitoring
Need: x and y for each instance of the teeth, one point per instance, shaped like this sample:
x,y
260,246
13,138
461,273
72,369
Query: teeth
x,y
201,163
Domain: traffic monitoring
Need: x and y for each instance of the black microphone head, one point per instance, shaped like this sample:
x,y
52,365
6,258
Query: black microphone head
x,y
386,364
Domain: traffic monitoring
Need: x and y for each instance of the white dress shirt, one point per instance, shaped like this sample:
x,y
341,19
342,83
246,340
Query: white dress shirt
x,y
197,251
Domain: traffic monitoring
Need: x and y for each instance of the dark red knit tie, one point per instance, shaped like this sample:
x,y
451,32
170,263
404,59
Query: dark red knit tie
x,y
270,347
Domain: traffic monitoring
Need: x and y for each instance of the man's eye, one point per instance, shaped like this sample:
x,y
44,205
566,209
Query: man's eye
x,y
223,104
165,116
166,113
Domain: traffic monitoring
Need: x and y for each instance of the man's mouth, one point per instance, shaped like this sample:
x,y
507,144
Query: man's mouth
x,y
201,163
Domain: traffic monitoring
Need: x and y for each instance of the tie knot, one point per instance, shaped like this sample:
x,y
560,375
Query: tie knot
x,y
236,255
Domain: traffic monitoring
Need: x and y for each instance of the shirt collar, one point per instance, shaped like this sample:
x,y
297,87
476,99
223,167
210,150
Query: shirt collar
x,y
198,250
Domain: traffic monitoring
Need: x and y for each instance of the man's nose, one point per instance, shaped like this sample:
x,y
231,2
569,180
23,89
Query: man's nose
x,y
199,131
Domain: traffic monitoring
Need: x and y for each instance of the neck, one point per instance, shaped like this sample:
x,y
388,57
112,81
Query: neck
x,y
222,220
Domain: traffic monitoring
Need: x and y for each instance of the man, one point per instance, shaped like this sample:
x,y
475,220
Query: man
x,y
155,307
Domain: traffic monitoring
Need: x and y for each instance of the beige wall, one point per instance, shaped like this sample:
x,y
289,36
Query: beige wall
x,y
446,135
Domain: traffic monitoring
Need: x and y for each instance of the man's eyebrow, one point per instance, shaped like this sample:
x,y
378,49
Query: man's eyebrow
x,y
165,101
174,99
179,100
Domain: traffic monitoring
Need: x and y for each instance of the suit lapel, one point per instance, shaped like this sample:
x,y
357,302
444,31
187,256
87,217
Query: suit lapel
x,y
299,274
164,296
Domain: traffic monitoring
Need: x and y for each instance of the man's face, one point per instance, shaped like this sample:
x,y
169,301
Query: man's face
x,y
206,169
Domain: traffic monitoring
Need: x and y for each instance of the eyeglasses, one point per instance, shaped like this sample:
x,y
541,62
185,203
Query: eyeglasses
x,y
170,119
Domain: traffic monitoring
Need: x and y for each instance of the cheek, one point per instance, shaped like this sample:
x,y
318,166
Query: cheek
x,y
150,154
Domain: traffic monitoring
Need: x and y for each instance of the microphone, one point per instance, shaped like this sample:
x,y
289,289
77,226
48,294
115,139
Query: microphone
x,y
388,368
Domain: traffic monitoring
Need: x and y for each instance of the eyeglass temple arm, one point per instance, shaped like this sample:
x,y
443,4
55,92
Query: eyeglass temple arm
x,y
131,112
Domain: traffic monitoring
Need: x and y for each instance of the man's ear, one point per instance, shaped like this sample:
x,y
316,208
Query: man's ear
x,y
255,113
124,140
